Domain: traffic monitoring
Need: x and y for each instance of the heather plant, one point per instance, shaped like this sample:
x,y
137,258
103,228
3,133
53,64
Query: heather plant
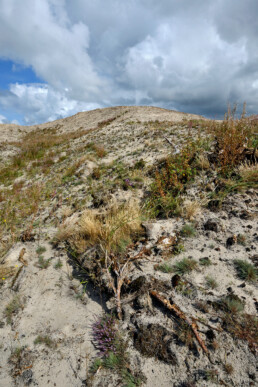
x,y
105,335
112,350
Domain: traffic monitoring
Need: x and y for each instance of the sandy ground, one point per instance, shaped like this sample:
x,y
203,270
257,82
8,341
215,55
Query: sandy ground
x,y
53,302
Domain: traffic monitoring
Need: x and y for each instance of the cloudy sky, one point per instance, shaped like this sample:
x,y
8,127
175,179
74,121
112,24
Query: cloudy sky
x,y
58,57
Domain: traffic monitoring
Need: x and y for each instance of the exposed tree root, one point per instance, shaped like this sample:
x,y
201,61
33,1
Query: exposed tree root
x,y
180,314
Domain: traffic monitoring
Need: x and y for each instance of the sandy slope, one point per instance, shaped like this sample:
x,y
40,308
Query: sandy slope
x,y
90,119
53,301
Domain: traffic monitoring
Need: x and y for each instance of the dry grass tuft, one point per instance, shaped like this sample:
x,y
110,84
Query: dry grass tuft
x,y
248,172
203,162
112,229
190,209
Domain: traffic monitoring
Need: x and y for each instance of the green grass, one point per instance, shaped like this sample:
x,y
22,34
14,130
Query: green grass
x,y
186,265
40,250
165,268
245,270
205,261
188,231
43,263
232,304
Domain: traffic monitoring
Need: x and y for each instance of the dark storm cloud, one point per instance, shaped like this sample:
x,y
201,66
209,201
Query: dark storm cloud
x,y
194,56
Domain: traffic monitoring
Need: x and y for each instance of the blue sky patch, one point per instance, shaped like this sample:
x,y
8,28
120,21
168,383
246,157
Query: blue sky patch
x,y
11,72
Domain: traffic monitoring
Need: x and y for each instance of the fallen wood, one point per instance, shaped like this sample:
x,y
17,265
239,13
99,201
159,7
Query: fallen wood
x,y
180,314
120,277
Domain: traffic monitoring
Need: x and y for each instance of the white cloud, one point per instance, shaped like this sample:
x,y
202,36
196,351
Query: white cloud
x,y
192,55
3,119
40,34
41,103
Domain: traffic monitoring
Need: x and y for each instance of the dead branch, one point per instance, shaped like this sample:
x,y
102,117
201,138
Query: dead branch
x,y
180,314
120,277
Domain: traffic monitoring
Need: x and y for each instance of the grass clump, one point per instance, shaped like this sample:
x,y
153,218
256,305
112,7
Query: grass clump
x,y
186,265
232,304
245,270
43,263
46,340
113,229
211,283
248,172
165,268
188,231
205,261
13,308
58,265
40,250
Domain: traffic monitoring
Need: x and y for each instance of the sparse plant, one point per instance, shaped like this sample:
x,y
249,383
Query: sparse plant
x,y
186,265
46,340
165,268
178,248
248,172
13,308
104,331
58,265
211,282
205,261
171,178
43,263
40,250
229,369
245,270
185,334
211,375
232,137
241,239
232,304
112,350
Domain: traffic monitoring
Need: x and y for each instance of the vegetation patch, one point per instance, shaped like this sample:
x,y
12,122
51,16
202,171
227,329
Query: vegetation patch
x,y
245,270
152,341
113,352
13,308
113,229
186,265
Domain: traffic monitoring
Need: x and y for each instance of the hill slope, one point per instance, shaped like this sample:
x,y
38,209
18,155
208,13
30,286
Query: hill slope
x,y
133,211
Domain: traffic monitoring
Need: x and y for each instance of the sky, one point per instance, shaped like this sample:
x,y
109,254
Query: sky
x,y
60,57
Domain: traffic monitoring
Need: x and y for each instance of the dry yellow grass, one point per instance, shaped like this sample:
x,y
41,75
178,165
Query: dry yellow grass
x,y
203,162
190,209
249,172
112,229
